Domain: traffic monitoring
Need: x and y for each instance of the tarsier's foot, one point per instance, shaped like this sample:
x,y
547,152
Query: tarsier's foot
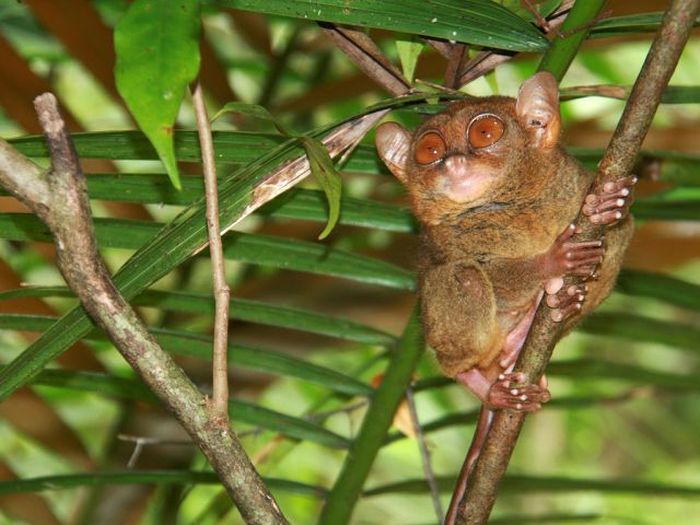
x,y
611,203
511,391
566,303
567,257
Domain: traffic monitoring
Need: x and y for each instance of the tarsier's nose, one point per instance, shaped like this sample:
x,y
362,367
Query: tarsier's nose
x,y
456,164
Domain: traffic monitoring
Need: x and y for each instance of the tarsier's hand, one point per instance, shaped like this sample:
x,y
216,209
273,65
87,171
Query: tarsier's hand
x,y
570,258
610,203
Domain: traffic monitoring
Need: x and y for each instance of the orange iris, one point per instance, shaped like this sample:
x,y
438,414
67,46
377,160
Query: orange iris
x,y
429,148
484,131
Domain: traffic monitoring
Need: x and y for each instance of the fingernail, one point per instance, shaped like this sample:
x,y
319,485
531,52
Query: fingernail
x,y
514,392
625,192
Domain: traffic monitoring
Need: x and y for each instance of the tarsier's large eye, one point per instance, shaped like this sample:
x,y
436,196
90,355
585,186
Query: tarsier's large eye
x,y
485,130
429,148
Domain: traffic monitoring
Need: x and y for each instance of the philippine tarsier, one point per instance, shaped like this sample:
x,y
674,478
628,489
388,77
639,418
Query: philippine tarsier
x,y
496,195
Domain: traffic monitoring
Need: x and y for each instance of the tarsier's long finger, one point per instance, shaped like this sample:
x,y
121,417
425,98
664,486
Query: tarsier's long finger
x,y
572,247
560,314
573,294
590,261
584,271
610,203
609,217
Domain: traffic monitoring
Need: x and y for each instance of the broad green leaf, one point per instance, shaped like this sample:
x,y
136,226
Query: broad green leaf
x,y
264,250
519,7
184,343
252,110
146,477
240,309
663,287
157,47
323,170
409,51
479,22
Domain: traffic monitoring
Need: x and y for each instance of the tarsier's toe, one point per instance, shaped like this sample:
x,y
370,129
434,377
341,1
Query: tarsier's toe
x,y
566,303
610,203
511,392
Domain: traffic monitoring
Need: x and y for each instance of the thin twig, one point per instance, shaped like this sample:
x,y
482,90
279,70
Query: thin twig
x,y
222,293
455,64
617,161
60,199
362,50
424,454
140,442
486,61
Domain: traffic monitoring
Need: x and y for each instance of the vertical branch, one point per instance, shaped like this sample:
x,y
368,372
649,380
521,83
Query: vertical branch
x,y
617,161
221,289
424,454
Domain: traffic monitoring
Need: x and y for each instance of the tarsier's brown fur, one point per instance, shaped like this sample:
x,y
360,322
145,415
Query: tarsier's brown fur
x,y
496,210
480,265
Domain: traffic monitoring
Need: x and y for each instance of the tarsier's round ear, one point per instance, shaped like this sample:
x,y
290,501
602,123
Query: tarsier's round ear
x,y
537,108
393,144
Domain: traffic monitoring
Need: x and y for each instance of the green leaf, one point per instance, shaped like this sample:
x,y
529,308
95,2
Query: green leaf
x,y
409,51
624,25
323,170
184,343
157,47
596,369
663,287
642,329
147,477
512,483
479,22
251,248
240,309
252,110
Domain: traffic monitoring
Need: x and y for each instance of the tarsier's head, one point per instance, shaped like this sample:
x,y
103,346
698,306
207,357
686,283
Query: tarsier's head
x,y
473,153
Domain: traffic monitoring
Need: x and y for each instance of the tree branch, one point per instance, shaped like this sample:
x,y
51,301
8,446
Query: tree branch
x,y
487,61
617,162
222,293
60,199
362,50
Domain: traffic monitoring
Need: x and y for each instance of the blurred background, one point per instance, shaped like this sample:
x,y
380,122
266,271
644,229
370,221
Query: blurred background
x,y
621,446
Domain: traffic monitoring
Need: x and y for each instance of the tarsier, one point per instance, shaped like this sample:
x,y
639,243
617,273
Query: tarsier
x,y
496,195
